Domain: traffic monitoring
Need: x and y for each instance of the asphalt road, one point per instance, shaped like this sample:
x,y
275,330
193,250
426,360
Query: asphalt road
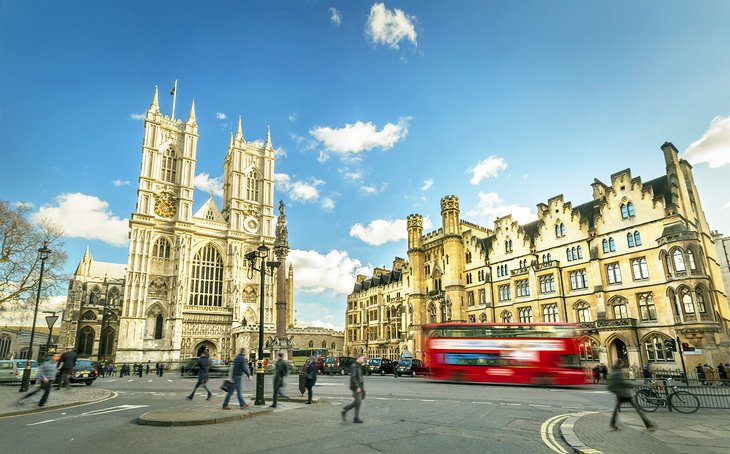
x,y
401,415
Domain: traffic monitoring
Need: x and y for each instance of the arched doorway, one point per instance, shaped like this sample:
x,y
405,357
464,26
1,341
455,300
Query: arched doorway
x,y
212,350
619,352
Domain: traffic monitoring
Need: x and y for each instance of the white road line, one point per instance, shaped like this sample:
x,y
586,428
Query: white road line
x,y
546,433
149,381
541,405
92,413
485,403
169,380
113,379
130,380
427,400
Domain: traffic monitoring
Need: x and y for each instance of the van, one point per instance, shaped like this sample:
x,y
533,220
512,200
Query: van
x,y
11,370
338,364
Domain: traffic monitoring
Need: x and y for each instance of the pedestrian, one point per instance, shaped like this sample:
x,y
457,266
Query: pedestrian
x,y
157,368
596,371
357,386
68,361
604,373
722,374
46,375
700,373
280,371
250,366
623,390
162,368
239,369
709,373
310,372
646,372
203,368
140,369
147,368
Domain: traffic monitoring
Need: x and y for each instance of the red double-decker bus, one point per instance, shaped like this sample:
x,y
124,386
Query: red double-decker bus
x,y
520,353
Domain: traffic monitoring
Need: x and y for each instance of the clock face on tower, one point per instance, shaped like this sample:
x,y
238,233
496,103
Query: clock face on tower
x,y
165,204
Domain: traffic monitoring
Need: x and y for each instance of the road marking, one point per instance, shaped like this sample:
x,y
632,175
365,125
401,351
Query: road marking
x,y
149,381
130,380
113,379
541,405
427,400
169,380
101,411
485,403
329,384
547,435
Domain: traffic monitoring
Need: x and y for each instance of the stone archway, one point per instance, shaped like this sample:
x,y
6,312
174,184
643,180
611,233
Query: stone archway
x,y
201,346
619,351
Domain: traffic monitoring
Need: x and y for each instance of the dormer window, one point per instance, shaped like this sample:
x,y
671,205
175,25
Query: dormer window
x,y
627,210
559,230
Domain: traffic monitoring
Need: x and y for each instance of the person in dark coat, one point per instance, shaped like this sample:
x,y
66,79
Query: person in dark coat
x,y
596,371
700,373
147,368
280,371
623,390
310,372
240,368
67,361
203,368
604,373
722,374
357,386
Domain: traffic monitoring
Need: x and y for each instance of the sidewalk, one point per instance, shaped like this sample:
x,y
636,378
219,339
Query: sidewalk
x,y
707,431
200,411
62,398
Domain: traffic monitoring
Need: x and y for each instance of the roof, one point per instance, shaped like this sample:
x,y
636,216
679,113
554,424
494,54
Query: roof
x,y
210,211
660,186
110,270
382,280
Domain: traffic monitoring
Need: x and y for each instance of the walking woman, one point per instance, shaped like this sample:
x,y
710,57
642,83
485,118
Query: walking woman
x,y
310,372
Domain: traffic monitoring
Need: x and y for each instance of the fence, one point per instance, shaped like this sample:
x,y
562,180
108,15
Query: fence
x,y
710,395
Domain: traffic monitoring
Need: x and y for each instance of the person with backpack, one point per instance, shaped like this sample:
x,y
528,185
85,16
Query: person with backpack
x,y
623,390
310,377
280,371
239,369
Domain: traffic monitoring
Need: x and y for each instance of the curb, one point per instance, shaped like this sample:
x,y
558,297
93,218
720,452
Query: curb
x,y
37,409
146,420
566,430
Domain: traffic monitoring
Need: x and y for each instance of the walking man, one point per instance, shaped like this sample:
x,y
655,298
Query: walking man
x,y
357,385
310,372
280,371
203,368
46,375
147,368
68,361
618,385
240,368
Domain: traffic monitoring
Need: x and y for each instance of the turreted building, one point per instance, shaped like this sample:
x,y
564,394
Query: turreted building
x,y
633,267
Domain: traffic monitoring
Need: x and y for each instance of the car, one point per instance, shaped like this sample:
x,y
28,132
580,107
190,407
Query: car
x,y
338,364
412,367
380,366
218,368
83,372
320,365
11,370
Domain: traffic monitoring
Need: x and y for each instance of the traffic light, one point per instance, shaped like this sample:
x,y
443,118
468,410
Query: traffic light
x,y
686,347
671,345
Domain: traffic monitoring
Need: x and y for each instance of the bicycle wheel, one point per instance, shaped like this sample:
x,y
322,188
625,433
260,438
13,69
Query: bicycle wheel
x,y
684,402
647,399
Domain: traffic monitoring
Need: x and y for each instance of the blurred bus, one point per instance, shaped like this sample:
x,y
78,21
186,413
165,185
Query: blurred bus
x,y
299,357
521,353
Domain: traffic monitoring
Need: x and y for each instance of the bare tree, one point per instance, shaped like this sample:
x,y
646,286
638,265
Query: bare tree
x,y
20,261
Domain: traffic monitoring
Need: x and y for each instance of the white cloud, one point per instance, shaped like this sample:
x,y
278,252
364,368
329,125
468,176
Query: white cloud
x,y
137,116
371,189
318,324
492,206
351,175
85,216
293,117
323,157
726,206
359,137
205,183
381,231
487,168
335,16
300,191
714,145
303,143
427,185
220,116
317,273
390,27
119,183
328,204
23,205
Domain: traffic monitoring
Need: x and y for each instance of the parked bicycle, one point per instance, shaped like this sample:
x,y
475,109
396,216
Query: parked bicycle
x,y
668,393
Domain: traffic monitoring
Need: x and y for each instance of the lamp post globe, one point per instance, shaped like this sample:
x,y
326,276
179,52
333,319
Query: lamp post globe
x,y
43,254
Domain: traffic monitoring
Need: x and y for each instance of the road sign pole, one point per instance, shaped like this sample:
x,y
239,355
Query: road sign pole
x,y
681,357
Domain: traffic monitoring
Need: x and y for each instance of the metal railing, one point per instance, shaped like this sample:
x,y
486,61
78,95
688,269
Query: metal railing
x,y
716,396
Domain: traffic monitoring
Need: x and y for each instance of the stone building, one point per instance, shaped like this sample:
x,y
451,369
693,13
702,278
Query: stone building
x,y
633,267
187,285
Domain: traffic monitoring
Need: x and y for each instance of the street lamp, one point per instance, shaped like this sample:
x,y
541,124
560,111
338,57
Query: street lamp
x,y
50,320
265,268
43,252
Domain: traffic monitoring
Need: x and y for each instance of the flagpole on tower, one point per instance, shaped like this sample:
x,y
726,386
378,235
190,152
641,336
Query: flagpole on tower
x,y
173,92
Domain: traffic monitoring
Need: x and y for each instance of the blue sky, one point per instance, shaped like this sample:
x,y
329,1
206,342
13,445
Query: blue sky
x,y
377,110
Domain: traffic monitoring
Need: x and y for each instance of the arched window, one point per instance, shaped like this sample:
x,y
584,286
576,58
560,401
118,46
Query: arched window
x,y
567,254
5,342
432,314
620,311
549,258
588,349
583,312
647,308
701,300
611,244
580,252
85,345
333,346
169,166
324,344
572,253
161,249
557,231
691,260
624,211
483,317
206,280
88,315
687,302
158,326
605,246
444,313
637,238
656,350
506,317
252,186
550,313
525,314
630,239
106,343
113,296
472,319
95,296
678,259
544,258
562,229
630,209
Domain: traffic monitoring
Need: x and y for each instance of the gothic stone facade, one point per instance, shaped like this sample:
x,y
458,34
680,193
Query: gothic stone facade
x,y
633,267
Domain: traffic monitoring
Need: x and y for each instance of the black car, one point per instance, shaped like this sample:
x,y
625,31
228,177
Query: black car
x,y
218,368
338,364
380,366
411,367
83,372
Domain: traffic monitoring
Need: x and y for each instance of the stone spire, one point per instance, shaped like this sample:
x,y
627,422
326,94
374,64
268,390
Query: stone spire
x,y
155,106
281,243
230,143
268,137
239,130
191,117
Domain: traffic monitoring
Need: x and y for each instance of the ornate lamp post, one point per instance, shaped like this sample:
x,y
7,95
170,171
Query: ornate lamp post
x,y
264,268
43,252
50,320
